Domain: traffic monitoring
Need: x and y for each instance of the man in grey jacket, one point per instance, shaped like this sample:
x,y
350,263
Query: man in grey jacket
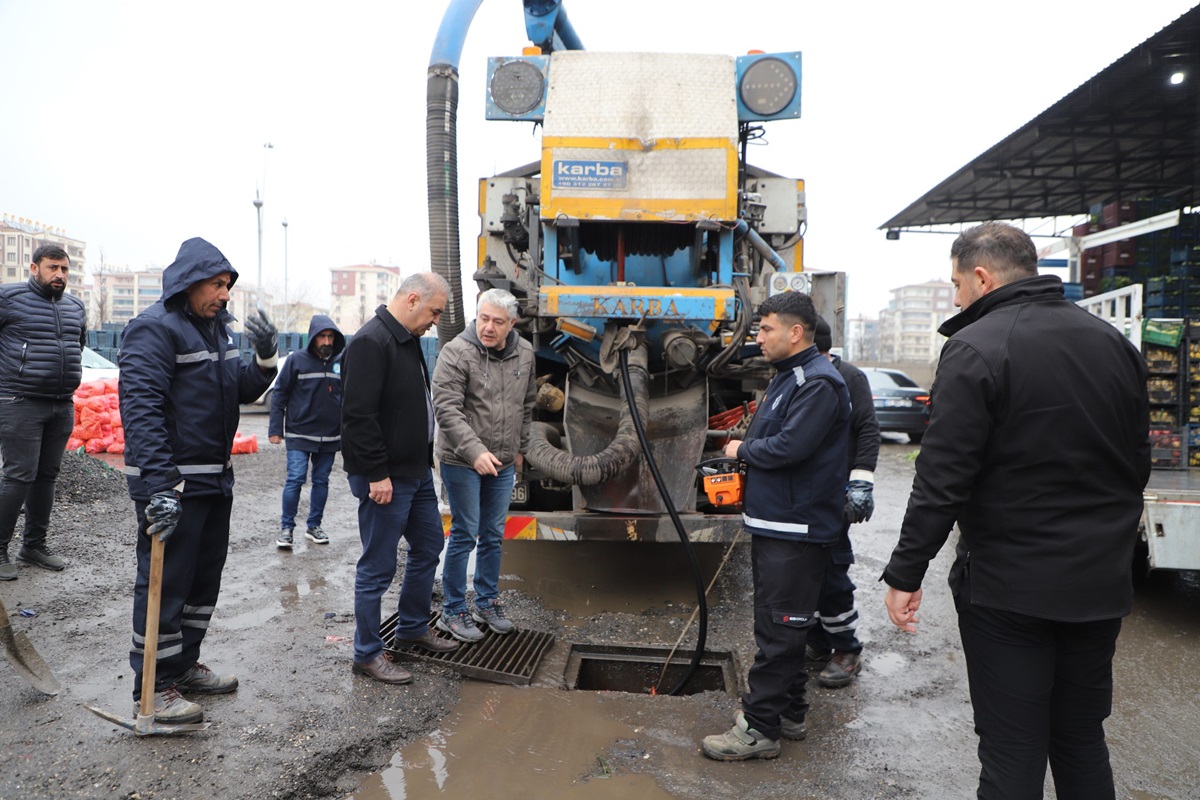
x,y
483,392
42,332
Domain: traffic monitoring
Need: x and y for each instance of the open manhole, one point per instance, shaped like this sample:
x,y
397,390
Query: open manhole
x,y
639,669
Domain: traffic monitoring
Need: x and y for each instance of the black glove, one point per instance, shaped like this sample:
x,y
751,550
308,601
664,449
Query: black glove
x,y
262,333
162,512
860,500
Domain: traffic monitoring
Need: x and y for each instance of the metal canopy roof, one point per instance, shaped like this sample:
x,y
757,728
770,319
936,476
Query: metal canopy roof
x,y
1125,133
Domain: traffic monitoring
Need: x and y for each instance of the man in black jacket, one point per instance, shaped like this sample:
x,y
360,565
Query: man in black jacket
x,y
387,448
833,644
308,398
42,333
1037,447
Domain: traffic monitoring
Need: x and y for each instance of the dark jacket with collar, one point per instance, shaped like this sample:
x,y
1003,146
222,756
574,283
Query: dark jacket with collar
x,y
385,415
182,383
1037,447
308,395
864,428
795,453
41,341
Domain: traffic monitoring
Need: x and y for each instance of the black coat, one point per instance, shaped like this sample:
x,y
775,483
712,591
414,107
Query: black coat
x,y
385,390
1038,447
41,341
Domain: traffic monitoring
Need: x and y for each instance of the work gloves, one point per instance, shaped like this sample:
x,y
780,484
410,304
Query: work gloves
x,y
266,340
860,500
162,514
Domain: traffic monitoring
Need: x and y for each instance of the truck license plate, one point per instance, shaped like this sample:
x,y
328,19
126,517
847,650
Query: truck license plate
x,y
520,492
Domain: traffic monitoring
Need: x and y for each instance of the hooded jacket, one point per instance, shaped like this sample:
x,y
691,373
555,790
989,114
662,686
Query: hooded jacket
x,y
483,398
41,341
1037,446
308,394
182,381
795,453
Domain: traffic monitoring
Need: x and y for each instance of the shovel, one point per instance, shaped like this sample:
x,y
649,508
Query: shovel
x,y
25,659
145,725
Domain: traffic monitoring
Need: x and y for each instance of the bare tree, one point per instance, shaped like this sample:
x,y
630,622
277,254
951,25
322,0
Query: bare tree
x,y
100,304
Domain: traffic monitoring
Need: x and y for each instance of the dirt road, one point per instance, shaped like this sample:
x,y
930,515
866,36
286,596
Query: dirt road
x,y
301,726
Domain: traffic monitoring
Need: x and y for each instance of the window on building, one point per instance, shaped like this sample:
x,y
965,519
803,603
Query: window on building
x,y
12,272
12,241
12,257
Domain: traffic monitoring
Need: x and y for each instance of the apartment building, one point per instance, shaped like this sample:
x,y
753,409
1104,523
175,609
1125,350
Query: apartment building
x,y
908,326
356,291
20,237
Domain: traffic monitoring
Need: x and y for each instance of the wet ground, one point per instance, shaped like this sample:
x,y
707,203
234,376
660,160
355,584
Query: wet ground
x,y
301,726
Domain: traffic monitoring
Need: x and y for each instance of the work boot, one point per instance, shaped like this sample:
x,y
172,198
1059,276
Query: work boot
x,y
42,557
739,743
284,542
172,709
492,615
815,658
792,729
840,670
429,642
382,669
461,626
8,570
316,535
202,680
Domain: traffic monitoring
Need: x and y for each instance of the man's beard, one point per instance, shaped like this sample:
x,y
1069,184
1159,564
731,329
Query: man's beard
x,y
56,291
324,351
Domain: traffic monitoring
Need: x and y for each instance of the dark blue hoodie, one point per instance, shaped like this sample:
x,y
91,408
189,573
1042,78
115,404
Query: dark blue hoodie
x,y
182,381
308,394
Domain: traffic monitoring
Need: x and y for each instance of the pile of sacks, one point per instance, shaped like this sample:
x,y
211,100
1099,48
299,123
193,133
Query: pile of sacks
x,y
98,426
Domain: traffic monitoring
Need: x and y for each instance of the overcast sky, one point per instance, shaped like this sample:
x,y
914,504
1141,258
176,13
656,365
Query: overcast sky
x,y
136,125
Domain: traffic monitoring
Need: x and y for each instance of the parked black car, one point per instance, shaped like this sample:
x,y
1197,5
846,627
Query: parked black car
x,y
901,406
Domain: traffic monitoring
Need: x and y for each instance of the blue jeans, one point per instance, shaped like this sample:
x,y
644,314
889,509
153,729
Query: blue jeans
x,y
412,514
33,436
478,506
297,471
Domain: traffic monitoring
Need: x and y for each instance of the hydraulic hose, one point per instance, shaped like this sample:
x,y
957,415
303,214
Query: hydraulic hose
x,y
701,600
609,462
760,244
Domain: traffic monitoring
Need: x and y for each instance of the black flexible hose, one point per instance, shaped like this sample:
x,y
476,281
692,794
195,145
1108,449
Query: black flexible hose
x,y
683,537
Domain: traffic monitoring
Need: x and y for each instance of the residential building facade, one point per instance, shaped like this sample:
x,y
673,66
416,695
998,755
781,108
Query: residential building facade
x,y
20,237
908,326
356,291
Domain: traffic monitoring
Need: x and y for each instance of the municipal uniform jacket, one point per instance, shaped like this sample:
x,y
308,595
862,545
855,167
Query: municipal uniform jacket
x,y
795,453
308,395
1037,447
41,342
385,403
483,399
182,381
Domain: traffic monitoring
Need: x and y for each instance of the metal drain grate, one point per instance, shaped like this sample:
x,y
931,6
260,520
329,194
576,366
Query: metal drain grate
x,y
510,658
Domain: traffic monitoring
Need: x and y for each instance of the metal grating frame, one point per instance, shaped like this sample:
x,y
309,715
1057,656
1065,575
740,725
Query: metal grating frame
x,y
511,658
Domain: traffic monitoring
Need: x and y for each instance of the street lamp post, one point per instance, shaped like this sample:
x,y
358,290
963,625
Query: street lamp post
x,y
287,309
258,204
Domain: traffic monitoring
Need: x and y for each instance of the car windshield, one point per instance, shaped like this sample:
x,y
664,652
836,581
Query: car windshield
x,y
94,360
889,380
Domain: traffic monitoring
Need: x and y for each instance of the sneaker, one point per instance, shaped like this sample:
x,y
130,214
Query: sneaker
x,y
382,669
840,670
739,743
460,626
172,709
42,557
429,642
492,615
8,570
284,542
815,658
202,680
316,535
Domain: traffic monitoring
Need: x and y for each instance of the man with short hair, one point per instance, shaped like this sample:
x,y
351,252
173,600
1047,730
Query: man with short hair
x,y
42,334
387,448
483,392
182,383
307,401
795,456
1038,448
833,644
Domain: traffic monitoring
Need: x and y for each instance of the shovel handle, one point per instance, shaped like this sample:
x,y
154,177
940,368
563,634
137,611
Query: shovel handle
x,y
153,604
3,615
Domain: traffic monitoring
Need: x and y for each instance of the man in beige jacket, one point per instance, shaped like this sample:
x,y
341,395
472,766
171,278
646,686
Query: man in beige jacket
x,y
483,392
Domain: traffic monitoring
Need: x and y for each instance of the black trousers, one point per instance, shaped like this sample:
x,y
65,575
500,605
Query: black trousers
x,y
787,583
837,617
193,560
1040,690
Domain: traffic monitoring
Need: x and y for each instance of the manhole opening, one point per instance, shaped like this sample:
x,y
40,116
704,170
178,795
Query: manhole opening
x,y
639,670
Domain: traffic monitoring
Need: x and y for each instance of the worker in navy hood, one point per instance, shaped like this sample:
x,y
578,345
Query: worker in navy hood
x,y
182,381
306,412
